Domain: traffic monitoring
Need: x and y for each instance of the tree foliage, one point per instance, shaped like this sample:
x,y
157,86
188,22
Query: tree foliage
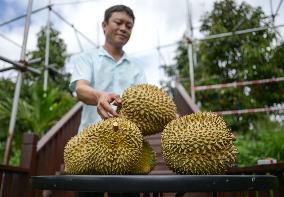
x,y
57,55
38,110
242,57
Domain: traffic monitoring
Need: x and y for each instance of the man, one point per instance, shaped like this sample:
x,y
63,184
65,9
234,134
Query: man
x,y
101,75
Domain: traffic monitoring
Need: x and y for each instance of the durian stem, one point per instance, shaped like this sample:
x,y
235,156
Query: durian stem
x,y
115,126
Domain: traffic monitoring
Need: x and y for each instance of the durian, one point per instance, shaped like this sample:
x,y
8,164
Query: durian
x,y
110,146
75,154
198,144
149,107
147,160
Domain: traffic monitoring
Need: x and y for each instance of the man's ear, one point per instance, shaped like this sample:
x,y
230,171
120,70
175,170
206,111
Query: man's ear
x,y
104,24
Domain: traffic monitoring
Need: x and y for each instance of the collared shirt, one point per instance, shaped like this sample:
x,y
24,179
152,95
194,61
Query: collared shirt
x,y
104,74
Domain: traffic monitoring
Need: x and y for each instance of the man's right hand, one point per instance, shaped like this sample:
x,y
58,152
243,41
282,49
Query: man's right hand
x,y
101,99
104,107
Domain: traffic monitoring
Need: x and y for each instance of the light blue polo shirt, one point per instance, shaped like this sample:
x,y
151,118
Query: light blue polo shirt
x,y
104,74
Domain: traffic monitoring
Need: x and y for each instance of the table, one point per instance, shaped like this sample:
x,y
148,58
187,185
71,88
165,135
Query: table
x,y
156,183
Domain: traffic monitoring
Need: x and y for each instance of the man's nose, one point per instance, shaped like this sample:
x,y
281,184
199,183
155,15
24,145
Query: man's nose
x,y
123,28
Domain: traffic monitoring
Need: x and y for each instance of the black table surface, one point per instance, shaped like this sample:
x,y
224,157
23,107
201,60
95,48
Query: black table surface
x,y
155,183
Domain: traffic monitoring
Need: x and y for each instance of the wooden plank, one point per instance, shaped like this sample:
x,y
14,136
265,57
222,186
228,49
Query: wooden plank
x,y
258,169
184,103
15,184
162,172
11,169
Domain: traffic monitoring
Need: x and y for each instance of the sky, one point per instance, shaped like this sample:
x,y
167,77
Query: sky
x,y
158,23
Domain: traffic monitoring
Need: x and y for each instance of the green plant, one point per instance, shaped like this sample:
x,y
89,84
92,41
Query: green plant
x,y
265,141
37,111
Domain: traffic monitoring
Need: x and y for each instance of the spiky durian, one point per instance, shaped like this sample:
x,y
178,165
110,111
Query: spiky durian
x,y
149,107
75,154
110,146
200,143
147,160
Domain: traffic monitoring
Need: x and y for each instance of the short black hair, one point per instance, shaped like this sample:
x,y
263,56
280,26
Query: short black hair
x,y
118,8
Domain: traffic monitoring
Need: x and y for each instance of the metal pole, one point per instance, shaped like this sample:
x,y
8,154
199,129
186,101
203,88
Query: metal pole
x,y
190,50
195,60
22,16
215,36
78,40
47,42
51,67
278,7
6,69
18,87
72,3
10,40
222,35
34,61
21,65
271,10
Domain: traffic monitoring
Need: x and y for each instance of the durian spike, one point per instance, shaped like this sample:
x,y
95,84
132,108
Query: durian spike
x,y
115,126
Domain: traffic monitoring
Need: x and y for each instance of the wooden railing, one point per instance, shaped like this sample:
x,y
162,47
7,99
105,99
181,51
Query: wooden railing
x,y
15,180
50,148
183,101
43,157
272,169
14,177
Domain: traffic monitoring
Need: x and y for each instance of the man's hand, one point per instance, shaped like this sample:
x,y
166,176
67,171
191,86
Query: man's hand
x,y
102,100
104,107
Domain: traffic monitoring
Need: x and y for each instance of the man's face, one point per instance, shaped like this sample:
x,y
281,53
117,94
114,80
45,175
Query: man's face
x,y
118,29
